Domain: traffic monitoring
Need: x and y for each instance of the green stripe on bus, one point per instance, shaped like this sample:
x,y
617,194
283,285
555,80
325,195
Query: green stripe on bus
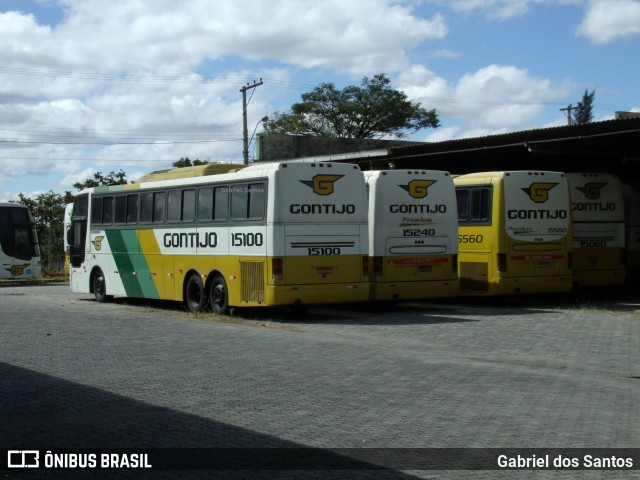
x,y
129,259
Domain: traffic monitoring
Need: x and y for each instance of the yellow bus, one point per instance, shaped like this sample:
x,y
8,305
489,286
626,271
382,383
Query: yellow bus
x,y
19,247
413,229
597,206
284,234
514,233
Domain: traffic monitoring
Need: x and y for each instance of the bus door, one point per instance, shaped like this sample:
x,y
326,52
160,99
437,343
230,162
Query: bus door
x,y
77,235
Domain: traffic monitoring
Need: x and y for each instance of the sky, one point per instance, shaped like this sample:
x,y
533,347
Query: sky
x,y
92,86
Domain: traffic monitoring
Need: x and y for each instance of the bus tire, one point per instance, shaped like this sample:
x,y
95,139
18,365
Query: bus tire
x,y
219,295
99,286
194,295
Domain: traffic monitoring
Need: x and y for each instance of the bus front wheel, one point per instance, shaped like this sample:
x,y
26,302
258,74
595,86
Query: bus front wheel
x,y
194,293
99,286
218,295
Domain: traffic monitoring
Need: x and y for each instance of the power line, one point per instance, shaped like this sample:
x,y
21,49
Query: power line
x,y
28,142
34,72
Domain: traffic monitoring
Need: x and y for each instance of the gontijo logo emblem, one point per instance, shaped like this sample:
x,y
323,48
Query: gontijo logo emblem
x,y
418,188
591,190
322,184
97,242
18,269
539,192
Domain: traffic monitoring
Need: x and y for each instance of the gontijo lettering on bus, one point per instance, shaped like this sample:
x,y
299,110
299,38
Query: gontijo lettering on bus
x,y
418,189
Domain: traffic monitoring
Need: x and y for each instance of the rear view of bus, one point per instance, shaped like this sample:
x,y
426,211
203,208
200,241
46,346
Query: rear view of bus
x,y
598,229
19,248
514,233
412,234
318,227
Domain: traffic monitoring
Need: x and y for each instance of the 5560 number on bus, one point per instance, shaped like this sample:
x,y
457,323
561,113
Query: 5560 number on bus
x,y
470,238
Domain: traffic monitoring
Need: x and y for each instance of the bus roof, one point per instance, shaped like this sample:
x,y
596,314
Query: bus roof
x,y
187,172
12,204
486,176
254,171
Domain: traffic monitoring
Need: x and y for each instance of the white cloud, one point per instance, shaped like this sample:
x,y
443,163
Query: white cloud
x,y
495,9
490,100
609,20
331,33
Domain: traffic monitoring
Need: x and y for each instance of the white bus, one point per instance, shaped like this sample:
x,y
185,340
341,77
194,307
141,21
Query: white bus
x,y
284,234
19,248
514,232
413,234
597,204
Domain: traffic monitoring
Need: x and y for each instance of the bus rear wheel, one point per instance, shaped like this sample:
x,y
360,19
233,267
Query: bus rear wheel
x,y
99,285
219,295
194,294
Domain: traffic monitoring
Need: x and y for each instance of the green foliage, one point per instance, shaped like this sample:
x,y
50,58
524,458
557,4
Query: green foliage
x,y
98,180
373,110
48,213
186,162
584,111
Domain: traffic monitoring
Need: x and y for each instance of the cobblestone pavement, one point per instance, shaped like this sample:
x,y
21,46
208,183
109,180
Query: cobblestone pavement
x,y
528,372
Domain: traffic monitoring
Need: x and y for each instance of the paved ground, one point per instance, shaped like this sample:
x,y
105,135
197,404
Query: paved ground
x,y
535,372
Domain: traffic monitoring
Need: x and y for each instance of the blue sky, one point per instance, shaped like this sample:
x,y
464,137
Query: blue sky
x,y
88,85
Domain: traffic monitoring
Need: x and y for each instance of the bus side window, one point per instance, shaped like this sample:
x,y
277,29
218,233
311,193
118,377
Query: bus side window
x,y
257,197
107,210
158,207
462,199
205,204
480,205
174,207
239,201
146,207
188,205
96,211
121,209
220,204
132,208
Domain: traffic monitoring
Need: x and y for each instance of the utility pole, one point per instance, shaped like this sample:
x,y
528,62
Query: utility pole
x,y
568,110
245,132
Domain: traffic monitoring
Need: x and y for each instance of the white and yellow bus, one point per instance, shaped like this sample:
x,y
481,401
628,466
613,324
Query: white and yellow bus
x,y
514,233
597,205
19,248
284,234
413,230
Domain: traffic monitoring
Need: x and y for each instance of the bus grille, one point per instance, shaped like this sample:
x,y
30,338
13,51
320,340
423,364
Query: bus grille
x,y
474,276
252,281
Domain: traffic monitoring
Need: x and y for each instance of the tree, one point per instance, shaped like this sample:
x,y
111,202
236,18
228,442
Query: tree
x,y
48,213
373,110
584,111
98,180
186,162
